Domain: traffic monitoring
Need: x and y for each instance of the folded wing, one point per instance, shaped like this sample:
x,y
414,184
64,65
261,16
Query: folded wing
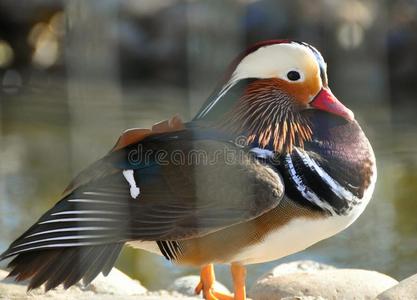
x,y
200,187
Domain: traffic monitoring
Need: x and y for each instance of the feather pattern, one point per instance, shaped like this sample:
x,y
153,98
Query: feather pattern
x,y
83,233
63,265
173,204
265,115
334,169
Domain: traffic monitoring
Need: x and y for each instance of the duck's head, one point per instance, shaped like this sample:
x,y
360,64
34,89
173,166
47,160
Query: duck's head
x,y
268,90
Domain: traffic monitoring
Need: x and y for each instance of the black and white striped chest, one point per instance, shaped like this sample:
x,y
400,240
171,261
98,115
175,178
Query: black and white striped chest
x,y
320,184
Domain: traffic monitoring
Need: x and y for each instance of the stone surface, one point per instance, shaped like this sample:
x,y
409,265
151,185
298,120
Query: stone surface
x,y
303,298
116,283
296,266
406,289
301,279
115,286
186,285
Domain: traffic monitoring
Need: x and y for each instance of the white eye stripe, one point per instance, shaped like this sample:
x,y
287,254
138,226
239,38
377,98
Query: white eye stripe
x,y
276,60
271,61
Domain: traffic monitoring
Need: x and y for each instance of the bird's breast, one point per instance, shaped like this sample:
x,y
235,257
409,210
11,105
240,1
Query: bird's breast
x,y
294,236
333,173
334,178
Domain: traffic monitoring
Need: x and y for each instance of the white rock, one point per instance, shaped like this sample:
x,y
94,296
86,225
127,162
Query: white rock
x,y
319,281
117,286
9,289
406,289
296,266
116,283
163,294
186,285
303,298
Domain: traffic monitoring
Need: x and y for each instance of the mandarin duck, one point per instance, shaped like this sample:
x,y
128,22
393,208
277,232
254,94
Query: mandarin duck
x,y
271,164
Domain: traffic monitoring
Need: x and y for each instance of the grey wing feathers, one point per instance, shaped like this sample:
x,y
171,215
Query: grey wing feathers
x,y
64,265
83,233
175,203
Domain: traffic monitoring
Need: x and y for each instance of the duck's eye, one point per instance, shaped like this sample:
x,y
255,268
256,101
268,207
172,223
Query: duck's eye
x,y
293,75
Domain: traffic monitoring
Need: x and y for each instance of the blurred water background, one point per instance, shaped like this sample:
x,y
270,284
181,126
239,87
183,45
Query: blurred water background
x,y
75,74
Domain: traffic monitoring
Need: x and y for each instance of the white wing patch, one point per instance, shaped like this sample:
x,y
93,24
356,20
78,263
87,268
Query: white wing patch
x,y
134,190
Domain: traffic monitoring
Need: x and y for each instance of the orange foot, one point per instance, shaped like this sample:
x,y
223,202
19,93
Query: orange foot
x,y
207,279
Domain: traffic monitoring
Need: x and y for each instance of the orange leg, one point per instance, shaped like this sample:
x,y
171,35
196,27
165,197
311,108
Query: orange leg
x,y
207,279
239,277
